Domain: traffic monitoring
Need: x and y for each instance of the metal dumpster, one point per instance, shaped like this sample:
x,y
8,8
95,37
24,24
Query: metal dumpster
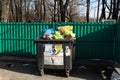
x,y
49,58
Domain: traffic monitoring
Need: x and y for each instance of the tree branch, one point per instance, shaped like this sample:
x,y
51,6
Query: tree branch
x,y
107,6
66,4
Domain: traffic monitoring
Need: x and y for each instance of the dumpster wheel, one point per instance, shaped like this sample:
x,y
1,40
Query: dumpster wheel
x,y
41,72
67,73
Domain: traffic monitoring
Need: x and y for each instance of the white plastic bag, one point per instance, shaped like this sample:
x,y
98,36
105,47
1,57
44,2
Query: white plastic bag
x,y
115,76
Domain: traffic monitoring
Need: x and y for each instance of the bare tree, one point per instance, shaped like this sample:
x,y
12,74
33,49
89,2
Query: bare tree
x,y
72,11
116,6
50,10
29,11
113,8
44,6
58,11
55,8
25,9
40,10
0,9
98,10
4,10
37,10
87,12
18,10
110,9
103,16
63,8
11,12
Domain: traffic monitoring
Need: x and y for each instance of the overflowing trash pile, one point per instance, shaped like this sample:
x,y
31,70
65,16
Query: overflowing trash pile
x,y
60,33
54,52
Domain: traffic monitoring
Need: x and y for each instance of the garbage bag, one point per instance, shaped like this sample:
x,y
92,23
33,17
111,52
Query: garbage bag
x,y
115,76
48,31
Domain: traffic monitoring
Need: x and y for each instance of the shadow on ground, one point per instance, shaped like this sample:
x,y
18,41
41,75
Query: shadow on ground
x,y
81,72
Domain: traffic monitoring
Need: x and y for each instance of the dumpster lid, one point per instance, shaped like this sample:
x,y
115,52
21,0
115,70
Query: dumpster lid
x,y
53,41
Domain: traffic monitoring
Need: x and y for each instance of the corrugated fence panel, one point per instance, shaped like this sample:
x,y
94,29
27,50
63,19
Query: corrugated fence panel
x,y
94,40
117,46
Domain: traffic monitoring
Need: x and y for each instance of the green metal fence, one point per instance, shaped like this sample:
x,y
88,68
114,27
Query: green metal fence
x,y
117,45
94,40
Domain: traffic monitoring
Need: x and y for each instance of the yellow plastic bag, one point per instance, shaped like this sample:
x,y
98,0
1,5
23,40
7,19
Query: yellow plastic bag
x,y
58,48
66,30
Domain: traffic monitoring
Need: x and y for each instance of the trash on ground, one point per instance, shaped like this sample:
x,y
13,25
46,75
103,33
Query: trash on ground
x,y
115,76
82,67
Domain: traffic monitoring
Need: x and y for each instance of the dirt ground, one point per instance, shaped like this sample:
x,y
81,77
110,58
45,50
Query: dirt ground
x,y
30,72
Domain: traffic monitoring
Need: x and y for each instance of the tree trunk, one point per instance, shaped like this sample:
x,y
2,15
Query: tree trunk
x,y
110,10
11,12
25,11
54,10
20,11
62,11
16,10
44,15
5,10
103,16
98,10
38,10
115,9
87,12
58,11
41,10
0,9
63,16
63,8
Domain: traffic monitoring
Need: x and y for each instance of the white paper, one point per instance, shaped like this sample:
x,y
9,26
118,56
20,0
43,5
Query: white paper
x,y
50,58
